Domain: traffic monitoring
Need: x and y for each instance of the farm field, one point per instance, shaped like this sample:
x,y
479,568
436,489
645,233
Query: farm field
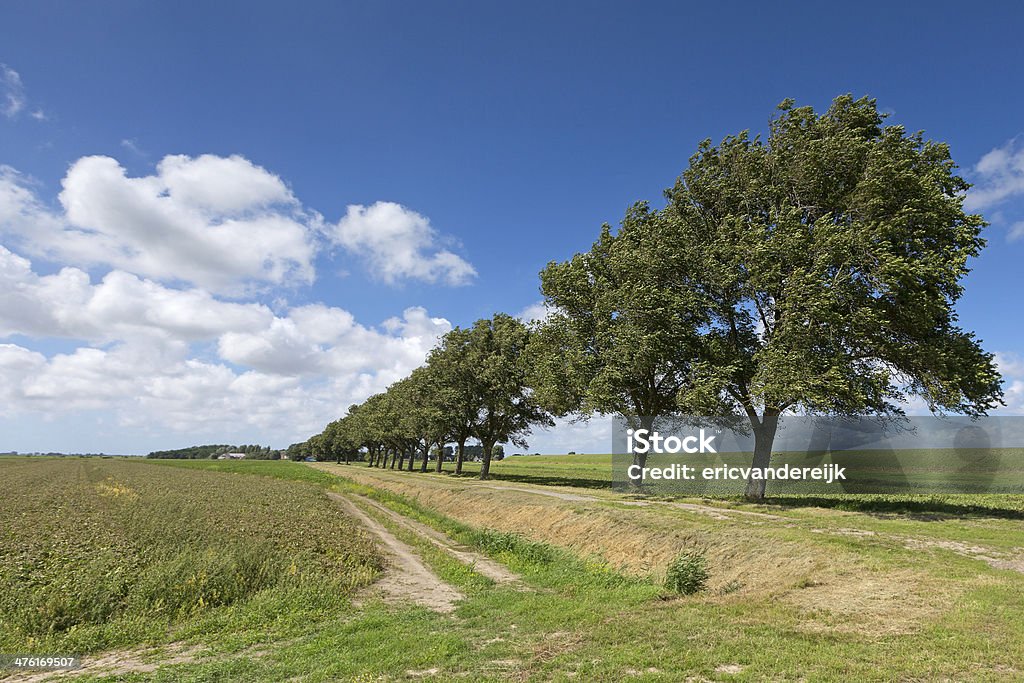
x,y
319,572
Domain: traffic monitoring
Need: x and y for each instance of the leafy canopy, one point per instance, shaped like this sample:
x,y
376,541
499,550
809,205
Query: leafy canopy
x,y
814,271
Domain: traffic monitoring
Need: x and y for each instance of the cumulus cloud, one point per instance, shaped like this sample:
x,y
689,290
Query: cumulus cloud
x,y
398,244
1010,364
160,286
221,223
999,176
12,92
316,340
121,306
286,374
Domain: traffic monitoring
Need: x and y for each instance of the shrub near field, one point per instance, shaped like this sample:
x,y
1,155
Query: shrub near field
x,y
96,553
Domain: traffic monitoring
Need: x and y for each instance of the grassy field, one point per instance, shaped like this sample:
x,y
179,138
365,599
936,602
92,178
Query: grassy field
x,y
796,591
595,471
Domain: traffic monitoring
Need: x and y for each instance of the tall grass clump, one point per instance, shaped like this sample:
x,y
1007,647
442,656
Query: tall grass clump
x,y
687,573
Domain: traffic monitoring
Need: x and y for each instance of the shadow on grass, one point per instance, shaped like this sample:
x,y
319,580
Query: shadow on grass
x,y
925,509
540,479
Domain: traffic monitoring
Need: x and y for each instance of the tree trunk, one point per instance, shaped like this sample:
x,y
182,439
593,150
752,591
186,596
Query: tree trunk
x,y
400,457
460,456
764,438
485,466
412,457
640,459
426,456
440,457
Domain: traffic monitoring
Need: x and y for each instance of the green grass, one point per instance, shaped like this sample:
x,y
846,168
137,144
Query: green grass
x,y
578,619
595,472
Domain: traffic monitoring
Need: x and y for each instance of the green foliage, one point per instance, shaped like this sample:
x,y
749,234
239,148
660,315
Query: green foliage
x,y
192,452
687,573
251,451
508,410
500,543
814,271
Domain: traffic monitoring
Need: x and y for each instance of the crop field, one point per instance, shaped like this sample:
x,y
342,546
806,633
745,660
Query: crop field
x,y
102,553
266,571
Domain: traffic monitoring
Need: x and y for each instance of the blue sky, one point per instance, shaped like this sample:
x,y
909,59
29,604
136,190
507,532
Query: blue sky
x,y
470,138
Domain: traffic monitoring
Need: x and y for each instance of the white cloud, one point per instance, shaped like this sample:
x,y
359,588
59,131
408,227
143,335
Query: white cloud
x,y
399,243
222,186
120,307
1010,364
144,266
536,311
17,364
158,386
12,92
1014,397
320,340
999,176
1011,367
289,374
221,223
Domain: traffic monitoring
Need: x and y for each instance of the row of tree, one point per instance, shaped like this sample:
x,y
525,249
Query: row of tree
x,y
814,272
474,385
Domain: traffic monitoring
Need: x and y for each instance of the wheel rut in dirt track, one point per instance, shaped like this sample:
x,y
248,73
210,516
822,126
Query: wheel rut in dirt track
x,y
480,563
406,578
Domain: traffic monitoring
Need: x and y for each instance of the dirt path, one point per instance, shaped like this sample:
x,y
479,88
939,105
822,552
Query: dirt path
x,y
407,578
480,563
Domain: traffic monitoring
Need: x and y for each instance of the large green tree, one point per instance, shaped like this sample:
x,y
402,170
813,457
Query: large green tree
x,y
814,271
454,372
621,335
429,413
504,405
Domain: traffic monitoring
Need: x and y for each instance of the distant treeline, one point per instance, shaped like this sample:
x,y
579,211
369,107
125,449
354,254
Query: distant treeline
x,y
213,451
